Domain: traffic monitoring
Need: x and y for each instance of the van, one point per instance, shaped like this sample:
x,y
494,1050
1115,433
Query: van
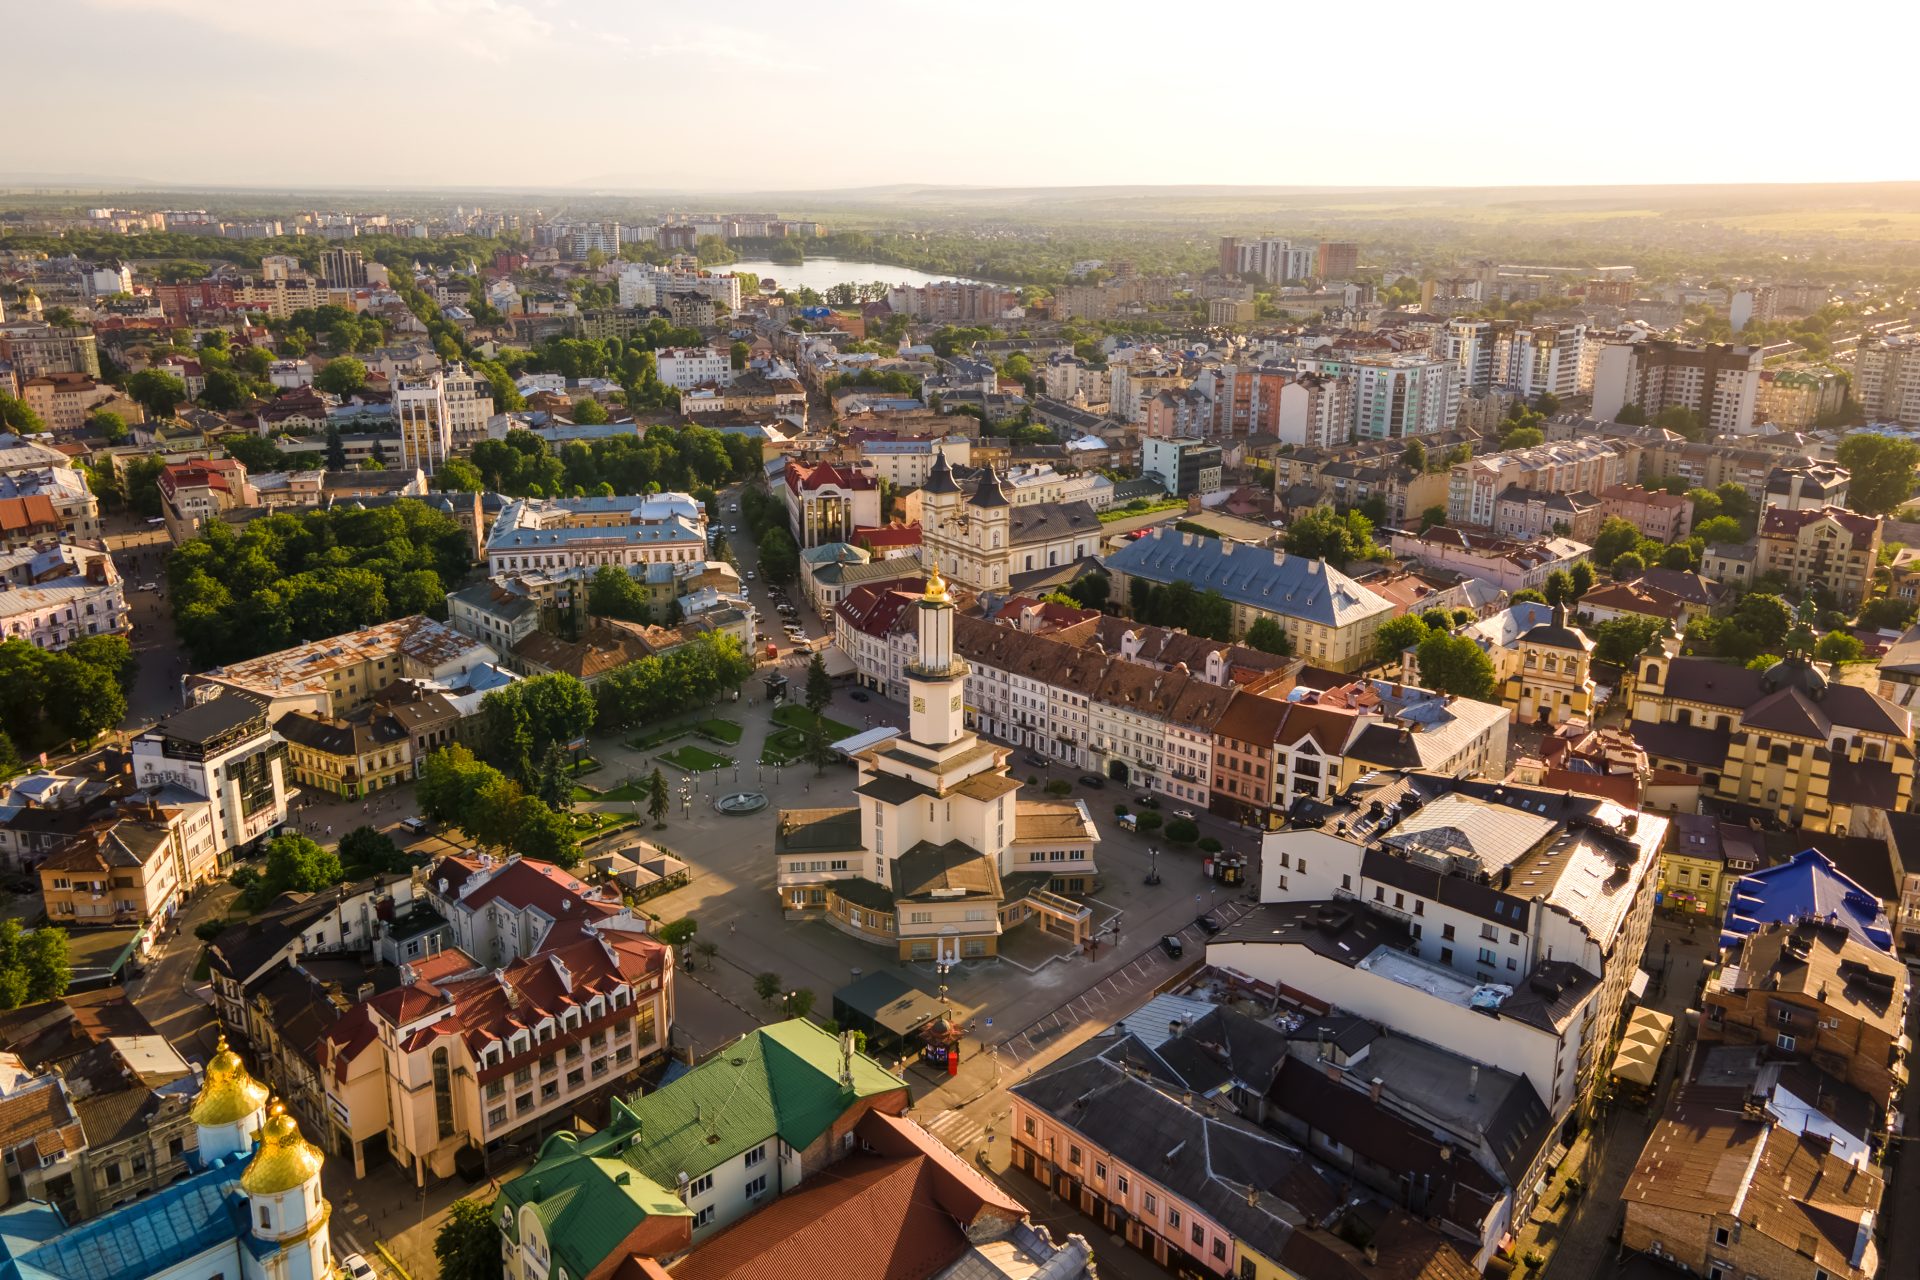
x,y
1129,822
416,825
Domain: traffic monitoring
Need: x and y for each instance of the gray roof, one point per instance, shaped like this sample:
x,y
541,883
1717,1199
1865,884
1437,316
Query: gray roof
x,y
1271,581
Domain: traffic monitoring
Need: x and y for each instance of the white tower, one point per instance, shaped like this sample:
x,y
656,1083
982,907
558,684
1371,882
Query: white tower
x,y
284,1204
230,1107
938,679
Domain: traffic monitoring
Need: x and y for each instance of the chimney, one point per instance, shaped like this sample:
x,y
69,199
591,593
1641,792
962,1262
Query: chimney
x,y
1375,1087
1473,1082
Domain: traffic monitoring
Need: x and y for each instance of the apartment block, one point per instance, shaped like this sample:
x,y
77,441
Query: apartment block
x,y
52,594
1589,465
1829,548
1719,382
1886,379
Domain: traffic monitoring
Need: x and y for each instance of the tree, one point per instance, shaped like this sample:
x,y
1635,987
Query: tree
x,y
737,355
1616,537
341,376
613,593
34,964
819,685
457,475
1679,418
1324,534
588,412
296,864
1764,616
1839,646
1621,640
800,1003
1678,556
1454,664
109,424
522,721
367,851
1432,516
767,985
467,1245
657,797
1631,415
336,448
1523,438
1558,587
1882,471
224,391
1268,636
1582,576
156,391
1888,612
1397,635
1414,456
17,416
256,453
1719,529
1182,831
1627,566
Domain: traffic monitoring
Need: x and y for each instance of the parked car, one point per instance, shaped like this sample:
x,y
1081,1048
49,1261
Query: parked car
x,y
416,825
1035,759
860,695
1172,946
1185,815
1093,780
1147,800
1209,925
357,1267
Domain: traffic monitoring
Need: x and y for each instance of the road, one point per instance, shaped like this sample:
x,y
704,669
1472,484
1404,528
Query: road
x,y
140,552
166,992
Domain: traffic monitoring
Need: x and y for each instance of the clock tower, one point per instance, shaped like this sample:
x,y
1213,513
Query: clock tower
x,y
937,681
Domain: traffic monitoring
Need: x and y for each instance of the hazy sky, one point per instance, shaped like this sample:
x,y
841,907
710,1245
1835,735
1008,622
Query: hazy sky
x,y
752,95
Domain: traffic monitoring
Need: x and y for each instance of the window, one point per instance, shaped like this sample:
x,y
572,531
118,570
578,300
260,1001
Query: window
x,y
1446,932
443,1092
1219,1249
266,1219
1029,1126
1120,1183
1346,882
113,1174
1487,957
703,1217
757,1187
700,1186
1489,933
1722,1236
756,1155
1785,1042
1073,1154
1199,1234
1446,955
1151,1206
1100,1170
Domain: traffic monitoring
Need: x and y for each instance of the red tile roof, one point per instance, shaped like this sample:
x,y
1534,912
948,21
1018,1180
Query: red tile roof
x,y
883,537
899,1213
18,515
799,477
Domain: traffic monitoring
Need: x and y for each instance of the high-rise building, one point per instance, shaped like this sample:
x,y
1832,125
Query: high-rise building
x,y
1530,358
1886,380
424,420
1718,381
1272,258
1338,260
1408,394
343,268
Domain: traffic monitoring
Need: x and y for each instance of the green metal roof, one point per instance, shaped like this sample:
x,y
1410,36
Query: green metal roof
x,y
779,1081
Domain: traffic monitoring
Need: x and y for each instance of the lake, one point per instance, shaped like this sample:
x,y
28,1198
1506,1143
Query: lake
x,y
821,274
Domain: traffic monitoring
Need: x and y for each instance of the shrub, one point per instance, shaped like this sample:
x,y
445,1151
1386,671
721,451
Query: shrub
x,y
1120,811
1180,831
1058,787
1150,821
1209,845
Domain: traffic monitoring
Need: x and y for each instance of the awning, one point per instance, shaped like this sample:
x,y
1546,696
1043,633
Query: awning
x,y
836,660
1639,984
1638,1060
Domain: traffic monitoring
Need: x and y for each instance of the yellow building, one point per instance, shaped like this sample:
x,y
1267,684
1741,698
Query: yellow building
x,y
1697,868
1786,744
1554,682
346,758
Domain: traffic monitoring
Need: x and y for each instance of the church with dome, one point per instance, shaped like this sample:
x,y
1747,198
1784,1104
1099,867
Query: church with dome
x,y
251,1209
939,854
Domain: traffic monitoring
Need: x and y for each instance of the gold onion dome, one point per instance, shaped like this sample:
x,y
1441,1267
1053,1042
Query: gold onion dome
x,y
284,1161
228,1095
936,585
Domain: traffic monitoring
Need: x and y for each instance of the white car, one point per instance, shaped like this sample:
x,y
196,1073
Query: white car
x,y
1185,815
357,1267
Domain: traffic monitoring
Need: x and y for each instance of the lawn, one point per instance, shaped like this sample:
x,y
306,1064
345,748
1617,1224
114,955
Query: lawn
x,y
719,730
588,825
795,717
784,746
626,792
691,759
584,795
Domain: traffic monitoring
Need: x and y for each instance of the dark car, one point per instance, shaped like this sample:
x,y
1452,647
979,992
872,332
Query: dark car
x,y
1093,780
1208,925
1035,759
1171,945
860,695
1146,801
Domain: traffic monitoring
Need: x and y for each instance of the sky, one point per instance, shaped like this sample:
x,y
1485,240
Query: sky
x,y
755,95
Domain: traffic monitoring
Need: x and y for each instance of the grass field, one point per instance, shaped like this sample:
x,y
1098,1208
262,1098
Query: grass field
x,y
801,718
693,759
719,730
626,792
784,746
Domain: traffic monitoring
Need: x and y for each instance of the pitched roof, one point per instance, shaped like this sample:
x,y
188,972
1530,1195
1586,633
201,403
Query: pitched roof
x,y
1256,577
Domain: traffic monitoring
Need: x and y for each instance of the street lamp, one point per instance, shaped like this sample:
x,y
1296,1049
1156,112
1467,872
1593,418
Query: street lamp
x,y
1153,866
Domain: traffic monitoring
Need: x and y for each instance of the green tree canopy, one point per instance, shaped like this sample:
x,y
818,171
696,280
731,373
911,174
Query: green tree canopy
x,y
1454,664
1882,471
341,376
1325,534
467,1245
1397,635
1616,538
1268,636
613,593
1839,646
156,391
1621,640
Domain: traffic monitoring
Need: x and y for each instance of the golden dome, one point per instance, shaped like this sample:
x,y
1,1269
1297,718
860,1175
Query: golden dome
x,y
284,1161
936,586
228,1094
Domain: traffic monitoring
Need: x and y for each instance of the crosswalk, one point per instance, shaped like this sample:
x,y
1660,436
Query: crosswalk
x,y
957,1130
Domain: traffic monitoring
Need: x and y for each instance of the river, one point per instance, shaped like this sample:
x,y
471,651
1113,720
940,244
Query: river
x,y
822,274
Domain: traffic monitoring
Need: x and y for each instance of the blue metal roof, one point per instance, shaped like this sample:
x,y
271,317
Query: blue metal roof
x,y
1805,887
145,1237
